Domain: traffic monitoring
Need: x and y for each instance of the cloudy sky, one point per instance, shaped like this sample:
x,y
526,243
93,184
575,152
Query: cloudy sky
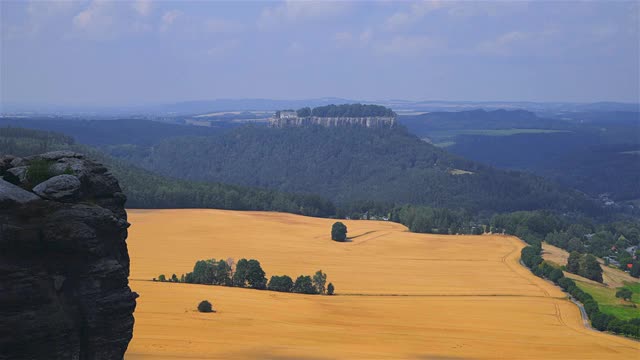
x,y
144,52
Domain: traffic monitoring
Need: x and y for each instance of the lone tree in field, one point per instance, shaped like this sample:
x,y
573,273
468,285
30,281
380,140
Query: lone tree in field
x,y
205,307
339,232
625,294
330,289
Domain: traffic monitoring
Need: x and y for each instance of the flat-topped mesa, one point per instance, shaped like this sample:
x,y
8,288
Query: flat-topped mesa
x,y
370,116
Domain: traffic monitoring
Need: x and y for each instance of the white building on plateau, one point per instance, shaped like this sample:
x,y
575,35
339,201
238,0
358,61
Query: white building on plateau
x,y
288,114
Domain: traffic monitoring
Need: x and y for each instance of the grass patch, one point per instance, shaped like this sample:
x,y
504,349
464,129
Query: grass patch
x,y
609,304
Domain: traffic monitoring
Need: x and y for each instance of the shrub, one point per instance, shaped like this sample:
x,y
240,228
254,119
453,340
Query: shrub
x,y
339,232
319,280
205,307
625,294
330,289
162,278
38,171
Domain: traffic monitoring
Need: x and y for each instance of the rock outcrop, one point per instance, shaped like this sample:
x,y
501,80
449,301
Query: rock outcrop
x,y
64,265
369,121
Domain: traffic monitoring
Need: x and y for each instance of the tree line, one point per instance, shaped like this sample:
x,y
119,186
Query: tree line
x,y
581,235
531,256
347,110
248,273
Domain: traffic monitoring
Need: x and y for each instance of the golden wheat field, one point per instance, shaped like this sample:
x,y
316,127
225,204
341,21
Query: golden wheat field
x,y
399,295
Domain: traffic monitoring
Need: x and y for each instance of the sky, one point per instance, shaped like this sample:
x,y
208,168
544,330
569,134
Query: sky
x,y
111,53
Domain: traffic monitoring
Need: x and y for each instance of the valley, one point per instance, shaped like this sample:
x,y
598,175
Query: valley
x,y
398,294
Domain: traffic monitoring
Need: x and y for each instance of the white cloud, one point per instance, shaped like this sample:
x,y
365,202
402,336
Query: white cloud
x,y
168,18
417,11
296,11
348,39
143,7
97,16
41,13
222,26
549,41
406,45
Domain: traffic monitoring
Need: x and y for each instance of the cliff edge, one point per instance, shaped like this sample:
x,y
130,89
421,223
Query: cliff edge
x,y
64,265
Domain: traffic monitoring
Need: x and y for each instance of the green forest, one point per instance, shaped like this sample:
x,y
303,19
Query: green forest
x,y
350,164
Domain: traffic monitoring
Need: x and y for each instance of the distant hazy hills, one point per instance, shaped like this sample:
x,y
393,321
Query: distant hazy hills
x,y
221,105
597,152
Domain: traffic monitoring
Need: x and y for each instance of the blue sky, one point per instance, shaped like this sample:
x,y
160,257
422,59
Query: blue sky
x,y
144,52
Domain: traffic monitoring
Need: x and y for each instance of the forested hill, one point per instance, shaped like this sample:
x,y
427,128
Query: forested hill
x,y
145,189
425,124
349,164
109,132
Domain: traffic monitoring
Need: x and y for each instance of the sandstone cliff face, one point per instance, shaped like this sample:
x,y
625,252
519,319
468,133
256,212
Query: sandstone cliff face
x,y
369,122
64,265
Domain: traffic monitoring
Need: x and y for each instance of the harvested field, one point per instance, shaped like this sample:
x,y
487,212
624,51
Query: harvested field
x,y
400,295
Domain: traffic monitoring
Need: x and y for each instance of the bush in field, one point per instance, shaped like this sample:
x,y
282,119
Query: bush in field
x,y
162,278
339,232
624,293
205,307
330,289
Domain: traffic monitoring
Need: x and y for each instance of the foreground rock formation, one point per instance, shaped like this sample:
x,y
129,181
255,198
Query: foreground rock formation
x,y
64,265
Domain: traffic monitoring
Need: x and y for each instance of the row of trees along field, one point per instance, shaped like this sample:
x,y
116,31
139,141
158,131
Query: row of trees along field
x,y
249,274
531,256
614,240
